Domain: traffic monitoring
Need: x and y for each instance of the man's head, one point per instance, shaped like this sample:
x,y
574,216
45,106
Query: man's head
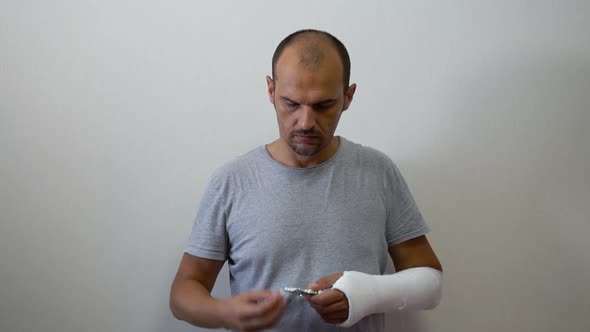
x,y
309,89
311,35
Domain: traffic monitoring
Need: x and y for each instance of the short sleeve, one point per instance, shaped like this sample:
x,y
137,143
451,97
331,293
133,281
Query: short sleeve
x,y
404,220
208,238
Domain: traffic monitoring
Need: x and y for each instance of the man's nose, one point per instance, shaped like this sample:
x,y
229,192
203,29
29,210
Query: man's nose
x,y
307,120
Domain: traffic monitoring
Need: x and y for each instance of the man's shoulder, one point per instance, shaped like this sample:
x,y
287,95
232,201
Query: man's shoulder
x,y
237,167
369,154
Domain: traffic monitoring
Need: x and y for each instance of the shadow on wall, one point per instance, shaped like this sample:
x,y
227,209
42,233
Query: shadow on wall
x,y
505,189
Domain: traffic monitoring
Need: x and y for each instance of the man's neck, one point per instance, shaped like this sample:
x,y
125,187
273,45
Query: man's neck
x,y
282,153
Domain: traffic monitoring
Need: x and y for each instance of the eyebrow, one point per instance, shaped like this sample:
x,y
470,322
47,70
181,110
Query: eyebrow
x,y
325,101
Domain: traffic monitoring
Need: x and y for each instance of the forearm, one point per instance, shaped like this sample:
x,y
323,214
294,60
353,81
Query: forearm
x,y
412,289
191,302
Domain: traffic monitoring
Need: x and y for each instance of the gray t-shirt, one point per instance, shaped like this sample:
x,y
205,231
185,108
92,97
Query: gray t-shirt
x,y
287,227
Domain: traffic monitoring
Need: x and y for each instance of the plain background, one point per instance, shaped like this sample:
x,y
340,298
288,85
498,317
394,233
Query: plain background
x,y
115,113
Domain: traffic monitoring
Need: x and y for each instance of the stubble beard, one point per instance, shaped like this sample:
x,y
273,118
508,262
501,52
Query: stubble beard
x,y
305,150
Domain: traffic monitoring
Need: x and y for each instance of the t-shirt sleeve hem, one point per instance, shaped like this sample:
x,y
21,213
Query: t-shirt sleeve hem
x,y
408,236
205,253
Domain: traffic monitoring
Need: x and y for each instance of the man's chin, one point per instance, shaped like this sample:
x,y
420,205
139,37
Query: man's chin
x,y
304,150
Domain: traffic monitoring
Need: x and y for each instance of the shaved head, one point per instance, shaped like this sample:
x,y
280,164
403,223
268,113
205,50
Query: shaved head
x,y
313,48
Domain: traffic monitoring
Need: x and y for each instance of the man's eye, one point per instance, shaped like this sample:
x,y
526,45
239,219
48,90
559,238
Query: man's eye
x,y
323,107
290,105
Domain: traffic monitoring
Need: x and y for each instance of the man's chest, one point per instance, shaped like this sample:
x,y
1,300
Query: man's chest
x,y
336,228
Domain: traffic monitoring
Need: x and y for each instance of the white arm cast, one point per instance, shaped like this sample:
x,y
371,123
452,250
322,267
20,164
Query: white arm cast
x,y
412,289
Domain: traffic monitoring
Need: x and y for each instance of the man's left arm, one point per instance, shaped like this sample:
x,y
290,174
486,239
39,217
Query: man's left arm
x,y
355,295
416,252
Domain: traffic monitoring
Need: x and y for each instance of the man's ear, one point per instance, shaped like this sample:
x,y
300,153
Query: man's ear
x,y
348,96
271,89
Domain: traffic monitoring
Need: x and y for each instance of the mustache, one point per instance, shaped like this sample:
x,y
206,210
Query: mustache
x,y
304,132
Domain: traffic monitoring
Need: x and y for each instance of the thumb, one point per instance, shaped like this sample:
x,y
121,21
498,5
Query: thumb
x,y
325,282
316,286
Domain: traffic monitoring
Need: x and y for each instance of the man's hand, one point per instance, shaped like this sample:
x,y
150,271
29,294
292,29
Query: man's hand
x,y
254,311
331,304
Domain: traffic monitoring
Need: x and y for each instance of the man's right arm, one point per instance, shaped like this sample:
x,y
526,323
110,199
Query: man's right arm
x,y
191,300
190,296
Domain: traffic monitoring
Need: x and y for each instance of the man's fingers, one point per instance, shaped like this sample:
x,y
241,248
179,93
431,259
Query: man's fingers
x,y
275,314
327,298
322,283
338,307
331,305
334,314
260,305
325,282
267,318
255,310
332,308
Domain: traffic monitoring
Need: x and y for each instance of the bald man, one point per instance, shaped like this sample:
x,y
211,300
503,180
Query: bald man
x,y
310,210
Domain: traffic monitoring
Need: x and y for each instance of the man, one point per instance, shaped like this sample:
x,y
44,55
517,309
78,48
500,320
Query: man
x,y
309,210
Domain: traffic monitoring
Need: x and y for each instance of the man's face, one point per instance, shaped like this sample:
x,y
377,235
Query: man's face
x,y
308,101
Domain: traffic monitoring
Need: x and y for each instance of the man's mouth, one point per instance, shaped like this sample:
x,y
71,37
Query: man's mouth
x,y
306,138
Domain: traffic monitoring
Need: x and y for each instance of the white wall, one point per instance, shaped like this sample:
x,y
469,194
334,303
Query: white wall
x,y
114,113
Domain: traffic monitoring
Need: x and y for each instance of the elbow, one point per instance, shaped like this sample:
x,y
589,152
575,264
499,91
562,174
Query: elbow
x,y
434,302
173,304
174,311
436,291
